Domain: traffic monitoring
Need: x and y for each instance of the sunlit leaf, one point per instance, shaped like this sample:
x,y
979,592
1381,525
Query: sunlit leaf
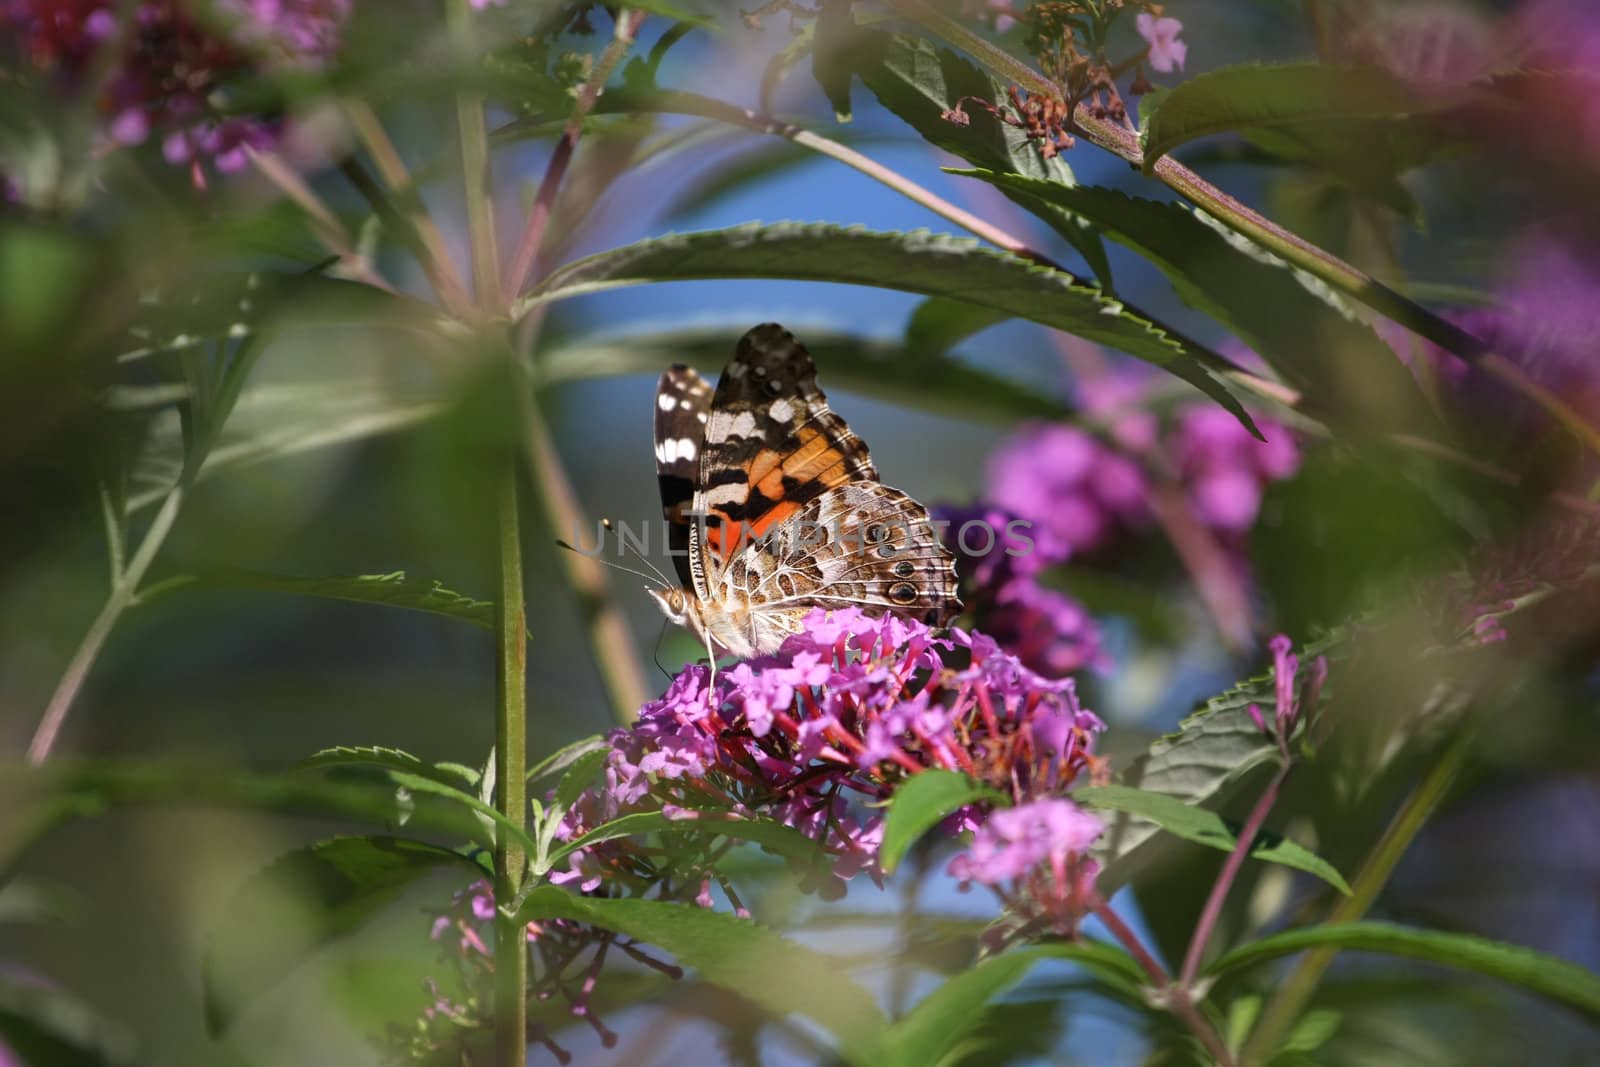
x,y
759,964
1537,972
770,834
916,262
565,757
1207,828
302,902
921,804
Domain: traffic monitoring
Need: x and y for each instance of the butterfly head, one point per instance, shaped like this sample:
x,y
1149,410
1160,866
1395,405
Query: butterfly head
x,y
675,604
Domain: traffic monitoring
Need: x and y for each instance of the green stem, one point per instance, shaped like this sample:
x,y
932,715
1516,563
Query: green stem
x,y
120,598
1344,277
510,765
1295,992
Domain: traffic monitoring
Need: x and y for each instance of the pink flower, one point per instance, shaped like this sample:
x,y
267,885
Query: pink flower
x,y
1167,53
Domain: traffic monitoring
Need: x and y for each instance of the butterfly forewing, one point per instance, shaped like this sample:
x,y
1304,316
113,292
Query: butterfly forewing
x,y
683,404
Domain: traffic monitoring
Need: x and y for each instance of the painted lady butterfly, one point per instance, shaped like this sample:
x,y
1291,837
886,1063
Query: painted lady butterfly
x,y
774,507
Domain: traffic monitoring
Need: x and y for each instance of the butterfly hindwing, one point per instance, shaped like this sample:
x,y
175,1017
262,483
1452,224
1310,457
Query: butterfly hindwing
x,y
771,444
683,404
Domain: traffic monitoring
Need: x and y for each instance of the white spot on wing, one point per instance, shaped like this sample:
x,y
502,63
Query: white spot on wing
x,y
743,425
665,401
781,410
685,448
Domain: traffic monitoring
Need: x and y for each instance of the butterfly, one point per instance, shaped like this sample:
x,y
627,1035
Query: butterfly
x,y
774,508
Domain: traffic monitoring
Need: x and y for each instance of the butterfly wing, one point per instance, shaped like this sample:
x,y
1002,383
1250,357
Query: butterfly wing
x,y
683,404
861,543
772,446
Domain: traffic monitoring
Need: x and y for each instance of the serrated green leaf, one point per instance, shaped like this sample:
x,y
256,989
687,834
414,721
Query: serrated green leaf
x,y
1537,972
920,804
580,774
1211,751
921,83
1207,828
759,964
437,788
770,834
392,759
1276,96
302,902
48,1027
1304,330
943,1018
898,374
915,262
395,590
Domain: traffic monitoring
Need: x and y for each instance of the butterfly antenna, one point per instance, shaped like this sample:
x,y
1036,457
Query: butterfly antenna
x,y
622,545
653,578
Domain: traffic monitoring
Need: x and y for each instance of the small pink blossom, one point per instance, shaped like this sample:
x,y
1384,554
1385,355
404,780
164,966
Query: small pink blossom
x,y
1167,53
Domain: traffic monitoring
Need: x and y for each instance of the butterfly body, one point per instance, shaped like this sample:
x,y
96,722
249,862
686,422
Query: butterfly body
x,y
774,507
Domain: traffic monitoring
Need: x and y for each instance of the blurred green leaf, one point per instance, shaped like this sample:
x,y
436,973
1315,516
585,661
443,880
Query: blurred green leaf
x,y
1207,828
580,775
938,324
916,262
394,590
1276,96
920,804
1211,751
302,902
1025,1031
903,374
923,84
392,759
1315,1029
779,975
1303,329
1537,972
565,757
45,1027
770,834
943,1018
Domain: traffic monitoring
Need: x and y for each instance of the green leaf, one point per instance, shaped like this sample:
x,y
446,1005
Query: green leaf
x,y
302,902
392,759
770,834
1273,97
580,774
394,590
49,1027
922,83
565,757
903,374
916,262
752,960
938,325
920,804
422,784
944,1017
1304,330
1207,828
1314,1029
1537,972
1211,751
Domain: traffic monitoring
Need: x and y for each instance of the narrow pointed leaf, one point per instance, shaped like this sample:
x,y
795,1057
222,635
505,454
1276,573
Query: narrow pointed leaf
x,y
1207,828
1538,972
921,804
395,590
774,836
915,262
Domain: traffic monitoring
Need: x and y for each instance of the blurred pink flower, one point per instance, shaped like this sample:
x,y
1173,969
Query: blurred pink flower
x,y
1167,53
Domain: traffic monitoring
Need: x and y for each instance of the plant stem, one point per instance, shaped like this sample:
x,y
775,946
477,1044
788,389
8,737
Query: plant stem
x,y
1342,276
510,758
120,597
1230,870
511,623
1176,997
522,261
1296,991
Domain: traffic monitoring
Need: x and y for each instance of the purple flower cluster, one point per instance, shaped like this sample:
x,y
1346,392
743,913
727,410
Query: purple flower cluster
x,y
1050,632
172,63
846,711
1082,489
1036,858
